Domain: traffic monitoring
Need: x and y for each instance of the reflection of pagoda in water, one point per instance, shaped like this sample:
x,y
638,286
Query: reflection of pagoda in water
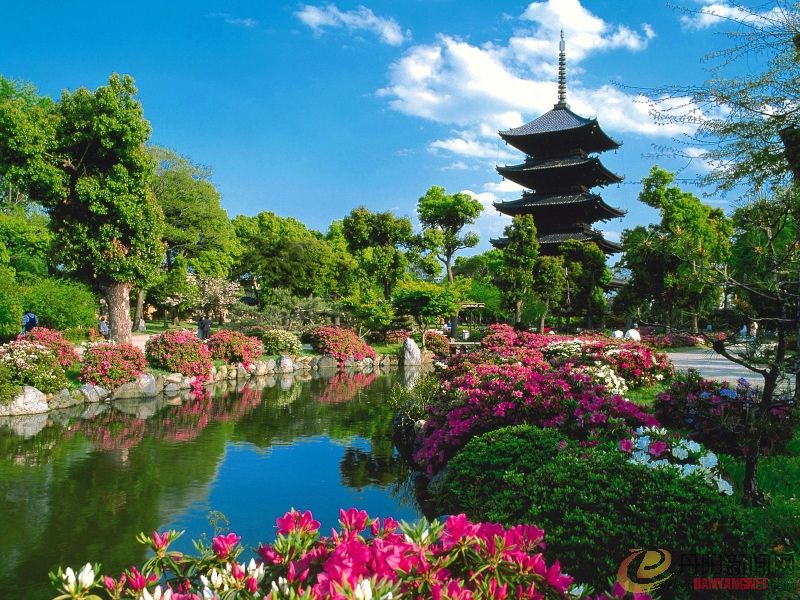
x,y
559,173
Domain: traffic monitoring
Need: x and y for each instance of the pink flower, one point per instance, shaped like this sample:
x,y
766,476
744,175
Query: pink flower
x,y
223,545
295,521
352,519
658,448
626,445
160,541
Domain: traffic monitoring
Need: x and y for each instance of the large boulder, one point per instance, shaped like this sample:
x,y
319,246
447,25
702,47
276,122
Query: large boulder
x,y
143,387
411,353
64,399
286,364
633,334
28,402
328,362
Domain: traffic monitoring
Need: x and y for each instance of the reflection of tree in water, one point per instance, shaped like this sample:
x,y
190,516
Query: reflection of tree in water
x,y
343,387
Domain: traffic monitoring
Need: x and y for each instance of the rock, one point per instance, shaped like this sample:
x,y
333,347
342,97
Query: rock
x,y
222,373
385,360
367,361
269,381
186,382
93,410
89,393
64,399
172,388
251,368
261,368
29,402
231,373
286,364
143,387
617,334
270,365
173,378
633,334
411,353
241,372
141,408
304,375
213,373
26,426
328,362
102,392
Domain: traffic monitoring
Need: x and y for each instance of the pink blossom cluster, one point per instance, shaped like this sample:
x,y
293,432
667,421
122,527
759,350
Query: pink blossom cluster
x,y
53,340
437,343
234,346
179,351
483,391
397,336
341,343
672,340
111,365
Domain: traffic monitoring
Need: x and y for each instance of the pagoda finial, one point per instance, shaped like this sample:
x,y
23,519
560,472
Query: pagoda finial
x,y
562,74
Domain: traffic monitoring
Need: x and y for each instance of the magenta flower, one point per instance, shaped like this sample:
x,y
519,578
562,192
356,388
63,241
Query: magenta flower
x,y
658,448
160,540
353,519
626,445
295,521
223,545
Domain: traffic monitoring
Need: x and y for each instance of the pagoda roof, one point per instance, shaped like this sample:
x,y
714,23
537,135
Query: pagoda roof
x,y
566,172
550,242
533,203
559,130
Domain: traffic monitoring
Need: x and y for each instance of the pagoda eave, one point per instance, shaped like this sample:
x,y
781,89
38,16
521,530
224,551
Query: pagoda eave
x,y
541,204
589,137
538,175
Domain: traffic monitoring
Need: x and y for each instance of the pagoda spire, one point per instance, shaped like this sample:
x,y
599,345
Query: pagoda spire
x,y
562,74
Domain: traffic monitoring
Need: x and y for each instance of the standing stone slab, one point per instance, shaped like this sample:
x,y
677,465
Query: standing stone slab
x,y
29,402
411,353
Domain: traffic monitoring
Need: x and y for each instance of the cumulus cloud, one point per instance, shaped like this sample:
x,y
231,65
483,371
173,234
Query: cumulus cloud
x,y
320,18
467,146
490,223
712,13
230,19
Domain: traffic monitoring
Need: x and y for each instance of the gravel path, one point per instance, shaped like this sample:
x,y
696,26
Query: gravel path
x,y
712,366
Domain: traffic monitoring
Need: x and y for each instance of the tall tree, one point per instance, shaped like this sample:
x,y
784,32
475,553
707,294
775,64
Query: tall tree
x,y
443,216
587,275
87,165
427,302
377,241
519,260
549,284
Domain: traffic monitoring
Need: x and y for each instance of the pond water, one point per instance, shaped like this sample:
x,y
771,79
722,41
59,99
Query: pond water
x,y
78,485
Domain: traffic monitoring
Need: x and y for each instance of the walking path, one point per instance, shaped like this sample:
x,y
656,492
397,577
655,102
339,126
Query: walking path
x,y
712,366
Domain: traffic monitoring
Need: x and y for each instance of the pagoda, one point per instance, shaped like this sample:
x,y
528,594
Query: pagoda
x,y
558,173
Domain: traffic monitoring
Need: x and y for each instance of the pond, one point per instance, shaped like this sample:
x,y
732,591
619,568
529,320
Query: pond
x,y
78,485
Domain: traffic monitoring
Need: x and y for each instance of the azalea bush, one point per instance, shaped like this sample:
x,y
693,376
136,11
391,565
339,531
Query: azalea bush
x,y
111,365
54,340
366,558
33,364
594,503
234,346
658,448
397,336
179,351
726,418
280,341
437,343
483,391
672,340
340,343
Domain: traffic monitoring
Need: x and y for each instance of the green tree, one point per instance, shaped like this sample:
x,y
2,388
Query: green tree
x,y
519,259
443,216
549,284
376,241
670,262
587,276
26,236
427,302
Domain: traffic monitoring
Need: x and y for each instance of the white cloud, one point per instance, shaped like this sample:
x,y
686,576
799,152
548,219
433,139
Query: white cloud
x,y
491,223
713,13
245,22
506,186
467,146
319,18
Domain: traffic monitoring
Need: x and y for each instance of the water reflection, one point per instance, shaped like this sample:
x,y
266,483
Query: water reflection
x,y
78,484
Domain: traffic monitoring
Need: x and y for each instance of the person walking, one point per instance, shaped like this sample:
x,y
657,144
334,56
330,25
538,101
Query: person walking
x,y
103,327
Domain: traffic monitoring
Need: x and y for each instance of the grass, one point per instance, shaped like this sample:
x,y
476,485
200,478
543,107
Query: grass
x,y
646,396
390,349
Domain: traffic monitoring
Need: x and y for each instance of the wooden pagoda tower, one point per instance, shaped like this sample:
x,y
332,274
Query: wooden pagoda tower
x,y
559,171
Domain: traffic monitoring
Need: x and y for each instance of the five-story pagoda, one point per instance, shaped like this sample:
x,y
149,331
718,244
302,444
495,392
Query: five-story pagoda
x,y
559,171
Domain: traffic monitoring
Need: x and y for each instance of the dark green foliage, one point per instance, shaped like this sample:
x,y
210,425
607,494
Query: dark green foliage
x,y
410,406
60,304
8,387
593,504
10,305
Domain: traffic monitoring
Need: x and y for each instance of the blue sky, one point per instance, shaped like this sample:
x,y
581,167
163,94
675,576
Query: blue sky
x,y
311,109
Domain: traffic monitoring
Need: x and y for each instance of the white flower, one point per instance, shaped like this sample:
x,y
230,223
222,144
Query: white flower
x,y
157,594
708,460
680,453
689,469
86,577
643,443
724,487
70,585
641,457
363,590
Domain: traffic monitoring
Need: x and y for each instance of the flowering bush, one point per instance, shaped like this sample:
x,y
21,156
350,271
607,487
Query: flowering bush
x,y
111,365
593,502
179,351
280,341
723,418
8,388
366,558
437,343
672,340
482,392
606,376
656,448
397,336
54,340
340,343
33,364
234,346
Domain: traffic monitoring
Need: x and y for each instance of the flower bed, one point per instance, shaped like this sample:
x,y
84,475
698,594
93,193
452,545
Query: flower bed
x,y
234,346
366,558
280,341
672,340
340,343
54,340
725,418
179,351
437,343
33,364
111,365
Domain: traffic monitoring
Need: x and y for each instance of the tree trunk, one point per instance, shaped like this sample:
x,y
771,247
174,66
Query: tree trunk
x,y
139,306
518,312
449,267
544,315
695,329
118,298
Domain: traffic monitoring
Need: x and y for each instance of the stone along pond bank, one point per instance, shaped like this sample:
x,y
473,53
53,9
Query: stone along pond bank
x,y
32,401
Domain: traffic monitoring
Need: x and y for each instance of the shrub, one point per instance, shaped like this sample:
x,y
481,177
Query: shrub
x,y
10,305
60,304
672,340
9,389
340,343
111,365
397,336
724,418
437,343
179,351
54,340
365,558
33,364
234,346
280,341
590,499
